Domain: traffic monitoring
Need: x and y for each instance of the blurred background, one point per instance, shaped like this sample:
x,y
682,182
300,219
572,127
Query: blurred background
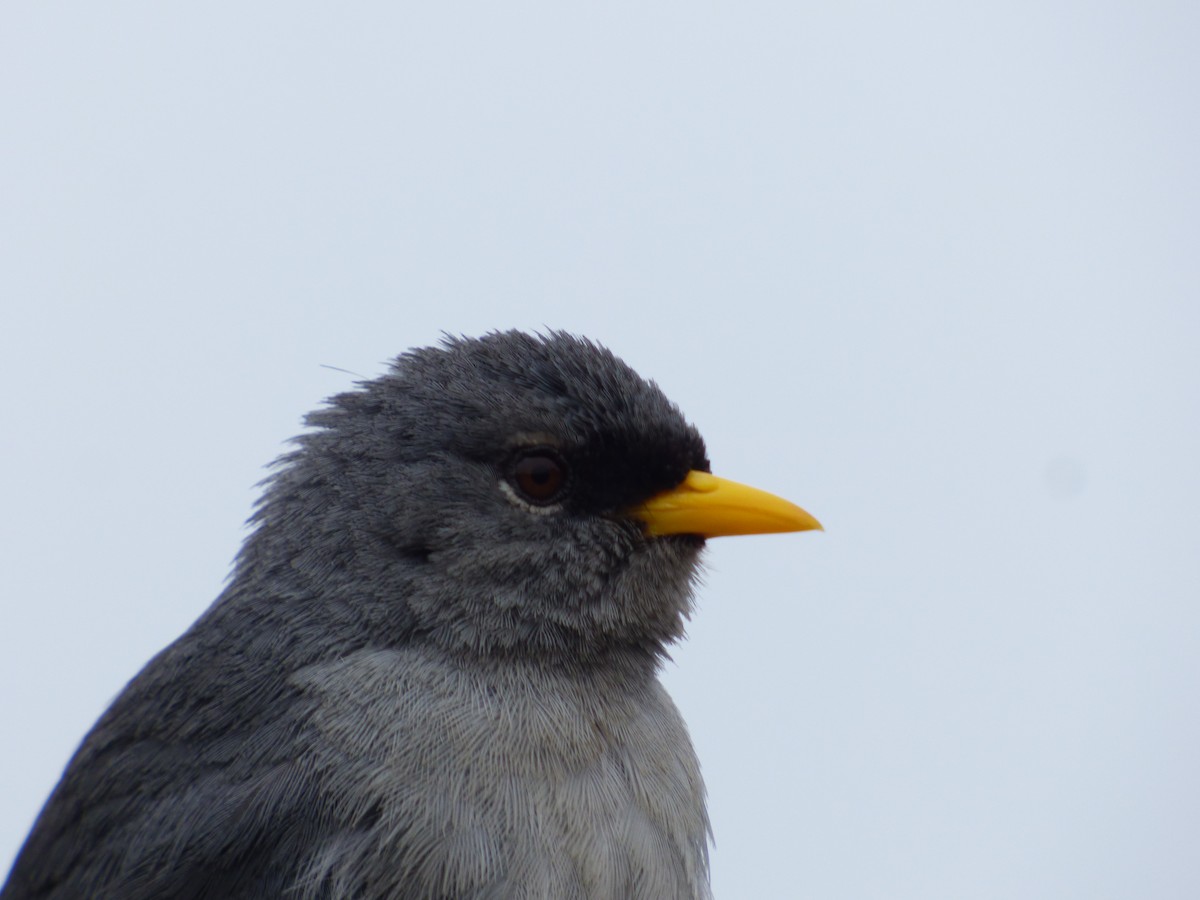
x,y
931,270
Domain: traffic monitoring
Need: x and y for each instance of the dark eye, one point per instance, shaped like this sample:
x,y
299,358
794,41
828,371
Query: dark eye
x,y
539,476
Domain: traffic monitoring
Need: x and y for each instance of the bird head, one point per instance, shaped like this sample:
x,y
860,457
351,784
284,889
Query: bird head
x,y
507,495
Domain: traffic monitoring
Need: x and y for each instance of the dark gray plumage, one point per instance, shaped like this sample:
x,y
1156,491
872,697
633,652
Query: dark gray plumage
x,y
420,682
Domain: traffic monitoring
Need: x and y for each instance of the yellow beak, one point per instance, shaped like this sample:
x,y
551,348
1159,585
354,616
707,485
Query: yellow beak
x,y
713,507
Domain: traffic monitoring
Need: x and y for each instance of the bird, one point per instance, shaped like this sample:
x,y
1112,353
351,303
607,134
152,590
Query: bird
x,y
434,670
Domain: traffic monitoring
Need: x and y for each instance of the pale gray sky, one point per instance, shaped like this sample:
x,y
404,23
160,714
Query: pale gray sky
x,y
930,270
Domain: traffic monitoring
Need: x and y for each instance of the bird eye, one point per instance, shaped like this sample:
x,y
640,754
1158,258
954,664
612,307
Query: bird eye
x,y
539,476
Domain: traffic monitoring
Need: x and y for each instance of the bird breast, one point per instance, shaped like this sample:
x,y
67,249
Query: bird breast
x,y
505,780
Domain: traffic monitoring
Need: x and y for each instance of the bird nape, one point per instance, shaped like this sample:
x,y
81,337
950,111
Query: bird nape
x,y
434,671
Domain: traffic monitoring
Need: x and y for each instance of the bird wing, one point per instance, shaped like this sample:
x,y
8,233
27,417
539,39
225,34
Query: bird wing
x,y
192,785
144,819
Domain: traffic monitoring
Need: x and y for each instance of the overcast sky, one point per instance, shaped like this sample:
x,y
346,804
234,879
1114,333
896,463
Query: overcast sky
x,y
931,270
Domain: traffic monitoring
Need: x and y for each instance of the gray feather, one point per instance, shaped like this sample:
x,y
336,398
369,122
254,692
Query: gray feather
x,y
415,687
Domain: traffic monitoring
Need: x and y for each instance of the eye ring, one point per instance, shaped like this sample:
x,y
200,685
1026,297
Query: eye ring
x,y
539,476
